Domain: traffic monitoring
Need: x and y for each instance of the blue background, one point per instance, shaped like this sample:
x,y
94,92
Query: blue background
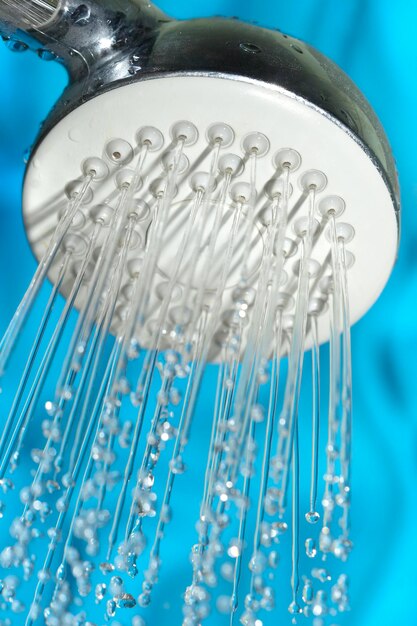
x,y
374,41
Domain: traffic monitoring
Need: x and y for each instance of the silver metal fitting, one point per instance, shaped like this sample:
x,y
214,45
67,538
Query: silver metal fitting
x,y
26,14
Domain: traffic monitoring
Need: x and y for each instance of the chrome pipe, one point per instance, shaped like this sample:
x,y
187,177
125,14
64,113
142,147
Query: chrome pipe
x,y
81,35
26,14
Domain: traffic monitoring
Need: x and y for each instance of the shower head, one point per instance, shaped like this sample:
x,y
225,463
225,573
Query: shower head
x,y
132,67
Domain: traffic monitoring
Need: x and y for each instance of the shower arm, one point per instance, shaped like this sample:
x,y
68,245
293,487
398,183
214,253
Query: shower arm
x,y
81,35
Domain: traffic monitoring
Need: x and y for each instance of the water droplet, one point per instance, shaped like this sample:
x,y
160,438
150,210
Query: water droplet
x,y
227,571
100,592
127,601
177,465
294,608
273,559
16,46
111,608
26,155
46,55
223,604
311,549
258,563
257,413
321,574
235,548
312,517
144,599
106,568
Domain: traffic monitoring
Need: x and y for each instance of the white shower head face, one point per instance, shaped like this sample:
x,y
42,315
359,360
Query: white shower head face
x,y
245,148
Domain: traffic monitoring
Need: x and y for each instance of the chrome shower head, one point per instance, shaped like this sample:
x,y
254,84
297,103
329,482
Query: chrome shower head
x,y
131,66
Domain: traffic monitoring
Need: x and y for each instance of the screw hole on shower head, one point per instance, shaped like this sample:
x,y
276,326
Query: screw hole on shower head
x,y
251,48
297,48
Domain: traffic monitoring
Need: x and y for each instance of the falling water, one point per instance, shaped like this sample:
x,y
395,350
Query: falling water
x,y
175,264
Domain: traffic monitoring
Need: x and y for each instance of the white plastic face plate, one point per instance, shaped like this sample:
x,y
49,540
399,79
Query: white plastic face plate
x,y
246,107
